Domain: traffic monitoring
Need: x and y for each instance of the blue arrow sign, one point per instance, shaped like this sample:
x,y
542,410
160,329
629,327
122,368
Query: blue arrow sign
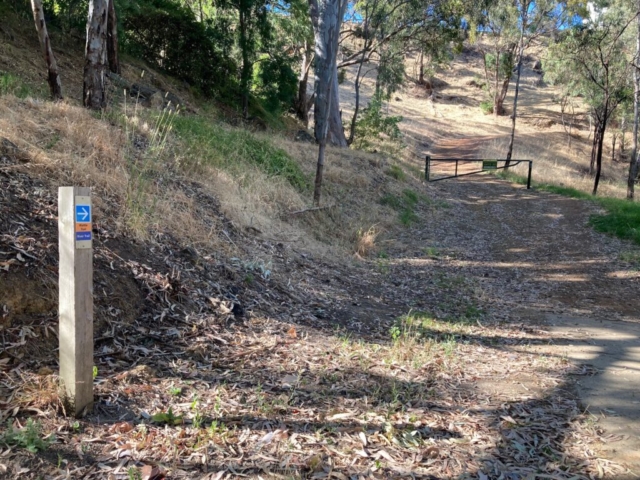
x,y
83,213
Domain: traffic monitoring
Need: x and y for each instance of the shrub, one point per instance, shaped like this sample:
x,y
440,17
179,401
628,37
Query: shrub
x,y
28,437
487,107
375,122
167,34
275,83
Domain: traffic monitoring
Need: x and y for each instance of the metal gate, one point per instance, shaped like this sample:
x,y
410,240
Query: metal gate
x,y
459,167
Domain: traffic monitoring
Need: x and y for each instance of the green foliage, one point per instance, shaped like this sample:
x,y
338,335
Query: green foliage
x,y
391,71
622,219
167,418
209,143
505,63
396,172
10,84
134,474
487,107
342,76
405,205
29,437
167,34
275,83
591,62
373,122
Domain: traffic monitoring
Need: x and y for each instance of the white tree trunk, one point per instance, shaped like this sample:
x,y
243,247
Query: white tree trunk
x,y
326,16
52,67
95,61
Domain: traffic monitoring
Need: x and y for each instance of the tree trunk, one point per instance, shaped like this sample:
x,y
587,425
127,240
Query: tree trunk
x,y
623,134
95,62
599,157
421,72
245,74
613,147
515,102
633,162
112,39
594,147
354,119
336,135
326,17
53,78
498,103
302,102
317,188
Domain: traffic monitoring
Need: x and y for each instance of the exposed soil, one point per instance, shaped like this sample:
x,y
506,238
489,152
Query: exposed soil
x,y
293,373
543,262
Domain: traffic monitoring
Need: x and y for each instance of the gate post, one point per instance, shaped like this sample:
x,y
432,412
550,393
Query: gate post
x,y
427,167
529,178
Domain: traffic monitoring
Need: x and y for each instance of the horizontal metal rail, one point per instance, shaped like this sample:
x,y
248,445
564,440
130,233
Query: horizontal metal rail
x,y
511,163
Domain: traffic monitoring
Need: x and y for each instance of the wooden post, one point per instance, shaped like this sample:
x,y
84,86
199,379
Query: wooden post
x,y
76,298
427,167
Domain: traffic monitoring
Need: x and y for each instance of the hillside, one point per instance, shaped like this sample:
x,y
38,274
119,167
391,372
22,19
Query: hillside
x,y
408,330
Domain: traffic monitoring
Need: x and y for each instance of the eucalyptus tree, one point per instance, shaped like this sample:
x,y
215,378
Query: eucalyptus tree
x,y
95,63
252,29
591,61
53,77
326,17
499,26
534,18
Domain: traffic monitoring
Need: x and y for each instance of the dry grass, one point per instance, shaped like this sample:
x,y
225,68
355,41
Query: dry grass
x,y
146,180
366,241
557,164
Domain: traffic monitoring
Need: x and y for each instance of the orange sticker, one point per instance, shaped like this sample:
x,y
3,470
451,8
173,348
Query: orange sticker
x,y
83,227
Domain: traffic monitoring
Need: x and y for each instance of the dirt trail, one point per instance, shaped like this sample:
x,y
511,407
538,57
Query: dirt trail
x,y
542,264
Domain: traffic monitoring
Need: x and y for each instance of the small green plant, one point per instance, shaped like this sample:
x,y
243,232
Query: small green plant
x,y
198,418
95,372
431,252
29,437
175,391
167,418
487,107
262,268
134,474
396,172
